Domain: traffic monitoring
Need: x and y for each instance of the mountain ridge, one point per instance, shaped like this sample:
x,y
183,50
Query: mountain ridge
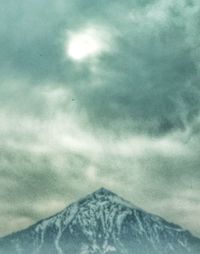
x,y
101,222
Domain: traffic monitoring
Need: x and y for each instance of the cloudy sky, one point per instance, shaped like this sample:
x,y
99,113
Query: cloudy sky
x,y
99,93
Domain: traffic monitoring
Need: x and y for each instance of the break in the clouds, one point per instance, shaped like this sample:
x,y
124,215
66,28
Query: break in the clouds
x,y
99,94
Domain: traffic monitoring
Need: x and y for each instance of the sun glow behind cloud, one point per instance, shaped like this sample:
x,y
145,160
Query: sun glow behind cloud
x,y
86,43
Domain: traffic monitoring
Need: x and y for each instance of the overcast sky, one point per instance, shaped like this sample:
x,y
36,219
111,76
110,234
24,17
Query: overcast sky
x,y
99,93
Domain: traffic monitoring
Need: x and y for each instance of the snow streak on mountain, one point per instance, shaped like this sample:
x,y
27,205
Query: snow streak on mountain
x,y
101,223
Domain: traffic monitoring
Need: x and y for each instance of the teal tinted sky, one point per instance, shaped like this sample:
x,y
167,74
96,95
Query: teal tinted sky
x,y
99,93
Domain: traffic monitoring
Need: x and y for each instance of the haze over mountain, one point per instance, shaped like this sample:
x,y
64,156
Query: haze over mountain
x,y
102,222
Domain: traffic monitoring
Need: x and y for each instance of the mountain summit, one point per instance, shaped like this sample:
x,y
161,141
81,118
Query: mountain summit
x,y
101,223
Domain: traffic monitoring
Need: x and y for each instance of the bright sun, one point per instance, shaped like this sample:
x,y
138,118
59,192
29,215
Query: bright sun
x,y
85,44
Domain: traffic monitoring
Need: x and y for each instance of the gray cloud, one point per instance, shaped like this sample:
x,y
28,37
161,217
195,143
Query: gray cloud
x,y
152,76
144,83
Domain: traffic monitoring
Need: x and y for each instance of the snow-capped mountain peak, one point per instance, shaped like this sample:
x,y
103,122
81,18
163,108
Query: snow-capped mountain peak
x,y
102,222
